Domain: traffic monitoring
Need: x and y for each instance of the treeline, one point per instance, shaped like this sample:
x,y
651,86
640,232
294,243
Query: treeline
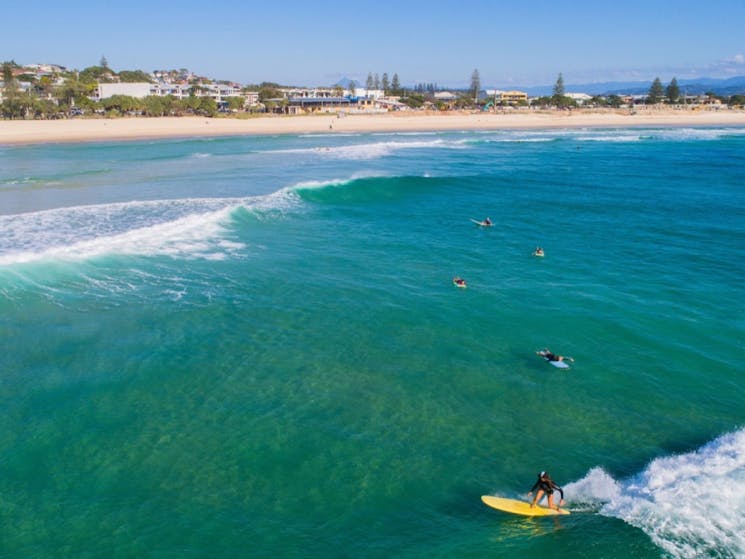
x,y
48,99
389,87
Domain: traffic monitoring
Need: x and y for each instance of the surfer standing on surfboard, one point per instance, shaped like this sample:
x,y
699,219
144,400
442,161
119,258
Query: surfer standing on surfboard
x,y
546,485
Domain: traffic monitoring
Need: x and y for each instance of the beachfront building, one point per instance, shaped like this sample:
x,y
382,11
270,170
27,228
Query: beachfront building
x,y
106,90
579,98
389,104
513,97
305,105
445,97
302,100
217,91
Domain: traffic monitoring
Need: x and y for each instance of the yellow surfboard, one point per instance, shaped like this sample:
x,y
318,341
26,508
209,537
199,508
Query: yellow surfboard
x,y
519,507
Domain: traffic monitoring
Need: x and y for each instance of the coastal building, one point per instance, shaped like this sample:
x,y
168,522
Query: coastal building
x,y
513,97
218,91
580,98
304,105
106,90
392,105
445,96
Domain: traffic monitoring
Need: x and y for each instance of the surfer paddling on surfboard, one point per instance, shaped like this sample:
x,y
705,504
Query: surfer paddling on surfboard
x,y
544,484
459,282
552,357
484,223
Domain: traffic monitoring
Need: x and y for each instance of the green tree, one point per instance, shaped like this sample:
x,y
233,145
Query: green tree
x,y
376,81
208,106
236,103
94,74
73,91
104,63
559,87
46,86
464,101
673,91
9,82
8,73
370,83
395,85
544,101
385,84
352,88
559,98
155,105
122,104
269,91
475,86
414,100
656,92
134,76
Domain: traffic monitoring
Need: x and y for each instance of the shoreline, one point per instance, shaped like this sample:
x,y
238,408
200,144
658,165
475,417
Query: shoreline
x,y
29,132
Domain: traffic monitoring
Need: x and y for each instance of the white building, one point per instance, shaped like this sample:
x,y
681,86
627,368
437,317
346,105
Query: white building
x,y
445,96
580,98
138,90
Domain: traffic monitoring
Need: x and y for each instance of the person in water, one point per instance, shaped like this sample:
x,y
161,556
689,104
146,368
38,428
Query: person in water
x,y
538,251
548,356
460,282
544,484
487,221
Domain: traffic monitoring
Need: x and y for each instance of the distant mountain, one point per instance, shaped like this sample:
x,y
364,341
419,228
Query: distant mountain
x,y
344,82
720,86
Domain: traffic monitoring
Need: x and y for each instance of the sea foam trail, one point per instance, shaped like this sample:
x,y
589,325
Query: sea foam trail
x,y
374,150
691,505
188,228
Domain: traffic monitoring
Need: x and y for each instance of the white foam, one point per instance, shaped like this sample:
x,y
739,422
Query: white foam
x,y
691,505
373,150
189,236
186,228
312,185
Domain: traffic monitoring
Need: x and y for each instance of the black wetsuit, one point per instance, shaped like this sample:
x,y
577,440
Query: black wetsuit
x,y
548,356
547,486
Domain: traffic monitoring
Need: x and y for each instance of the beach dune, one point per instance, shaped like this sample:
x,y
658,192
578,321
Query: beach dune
x,y
14,132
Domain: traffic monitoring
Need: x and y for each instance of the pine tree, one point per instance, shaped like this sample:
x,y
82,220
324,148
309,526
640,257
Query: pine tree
x,y
656,92
395,85
475,85
559,86
369,83
385,84
673,91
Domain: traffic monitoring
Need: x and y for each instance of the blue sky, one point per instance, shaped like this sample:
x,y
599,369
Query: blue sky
x,y
317,42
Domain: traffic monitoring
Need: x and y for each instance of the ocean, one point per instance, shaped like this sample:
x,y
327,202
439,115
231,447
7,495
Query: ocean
x,y
252,346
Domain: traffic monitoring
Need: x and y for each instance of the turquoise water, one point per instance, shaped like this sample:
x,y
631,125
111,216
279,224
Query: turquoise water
x,y
252,347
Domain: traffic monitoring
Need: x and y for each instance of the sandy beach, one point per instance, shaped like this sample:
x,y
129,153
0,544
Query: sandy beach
x,y
14,132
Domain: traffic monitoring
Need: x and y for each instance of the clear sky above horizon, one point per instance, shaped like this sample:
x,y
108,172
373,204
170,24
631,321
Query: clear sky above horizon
x,y
317,43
